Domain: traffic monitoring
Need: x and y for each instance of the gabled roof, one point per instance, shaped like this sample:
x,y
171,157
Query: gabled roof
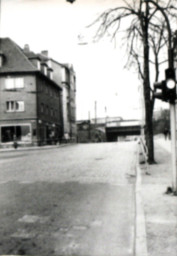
x,y
65,65
14,58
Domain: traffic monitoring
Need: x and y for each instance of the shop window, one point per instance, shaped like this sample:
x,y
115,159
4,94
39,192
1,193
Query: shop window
x,y
16,133
34,132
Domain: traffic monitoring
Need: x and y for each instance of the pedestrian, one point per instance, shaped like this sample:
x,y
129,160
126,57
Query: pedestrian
x,y
169,134
15,144
166,132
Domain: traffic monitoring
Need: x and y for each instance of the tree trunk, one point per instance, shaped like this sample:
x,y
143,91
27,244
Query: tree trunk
x,y
147,93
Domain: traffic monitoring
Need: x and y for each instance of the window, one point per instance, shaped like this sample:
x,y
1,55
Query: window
x,y
9,83
19,106
1,59
10,106
38,65
19,82
51,111
46,89
14,83
51,75
20,133
42,108
55,113
47,110
15,106
68,111
57,94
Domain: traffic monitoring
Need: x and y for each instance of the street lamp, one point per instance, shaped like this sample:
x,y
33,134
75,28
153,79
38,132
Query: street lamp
x,y
170,84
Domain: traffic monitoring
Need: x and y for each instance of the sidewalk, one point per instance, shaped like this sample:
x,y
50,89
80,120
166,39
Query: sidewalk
x,y
160,209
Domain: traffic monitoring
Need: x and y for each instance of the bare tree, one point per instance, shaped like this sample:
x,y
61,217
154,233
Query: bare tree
x,y
146,37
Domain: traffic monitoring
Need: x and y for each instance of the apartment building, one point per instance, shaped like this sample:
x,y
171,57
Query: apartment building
x,y
64,74
31,100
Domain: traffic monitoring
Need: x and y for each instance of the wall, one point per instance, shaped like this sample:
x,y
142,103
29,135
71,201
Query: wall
x,y
26,94
24,120
65,77
48,111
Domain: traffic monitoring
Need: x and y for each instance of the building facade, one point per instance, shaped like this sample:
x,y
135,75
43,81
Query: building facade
x,y
64,74
31,100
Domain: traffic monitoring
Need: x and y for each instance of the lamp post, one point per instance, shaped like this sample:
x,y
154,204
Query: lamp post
x,y
172,104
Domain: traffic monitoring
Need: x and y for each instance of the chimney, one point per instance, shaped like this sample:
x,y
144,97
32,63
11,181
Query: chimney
x,y
26,48
45,53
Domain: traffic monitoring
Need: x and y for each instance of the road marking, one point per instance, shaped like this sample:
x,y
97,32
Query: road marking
x,y
80,227
22,233
96,223
33,219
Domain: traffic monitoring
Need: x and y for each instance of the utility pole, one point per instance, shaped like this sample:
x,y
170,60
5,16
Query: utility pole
x,y
105,115
95,113
89,127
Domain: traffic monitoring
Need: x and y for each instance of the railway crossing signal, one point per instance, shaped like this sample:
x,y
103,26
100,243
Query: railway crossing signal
x,y
166,89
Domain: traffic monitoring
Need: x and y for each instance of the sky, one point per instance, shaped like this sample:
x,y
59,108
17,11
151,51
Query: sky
x,y
54,25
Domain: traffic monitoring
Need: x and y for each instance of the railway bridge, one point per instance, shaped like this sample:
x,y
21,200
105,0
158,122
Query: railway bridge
x,y
121,130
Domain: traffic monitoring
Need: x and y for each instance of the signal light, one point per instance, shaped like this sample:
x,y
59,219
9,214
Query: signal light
x,y
166,90
159,90
170,85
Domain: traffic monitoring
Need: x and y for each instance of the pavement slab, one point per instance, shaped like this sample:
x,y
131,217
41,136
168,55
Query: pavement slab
x,y
160,208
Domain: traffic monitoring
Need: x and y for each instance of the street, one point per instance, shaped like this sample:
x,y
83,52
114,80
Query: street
x,y
72,200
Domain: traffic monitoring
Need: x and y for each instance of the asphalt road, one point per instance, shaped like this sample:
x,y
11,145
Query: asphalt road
x,y
74,200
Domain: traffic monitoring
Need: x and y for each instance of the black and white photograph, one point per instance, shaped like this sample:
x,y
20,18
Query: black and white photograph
x,y
88,127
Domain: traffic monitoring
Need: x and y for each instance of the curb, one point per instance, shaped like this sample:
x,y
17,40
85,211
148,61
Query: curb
x,y
33,148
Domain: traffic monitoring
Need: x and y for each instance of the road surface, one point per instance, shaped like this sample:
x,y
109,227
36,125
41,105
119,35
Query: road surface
x,y
74,200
